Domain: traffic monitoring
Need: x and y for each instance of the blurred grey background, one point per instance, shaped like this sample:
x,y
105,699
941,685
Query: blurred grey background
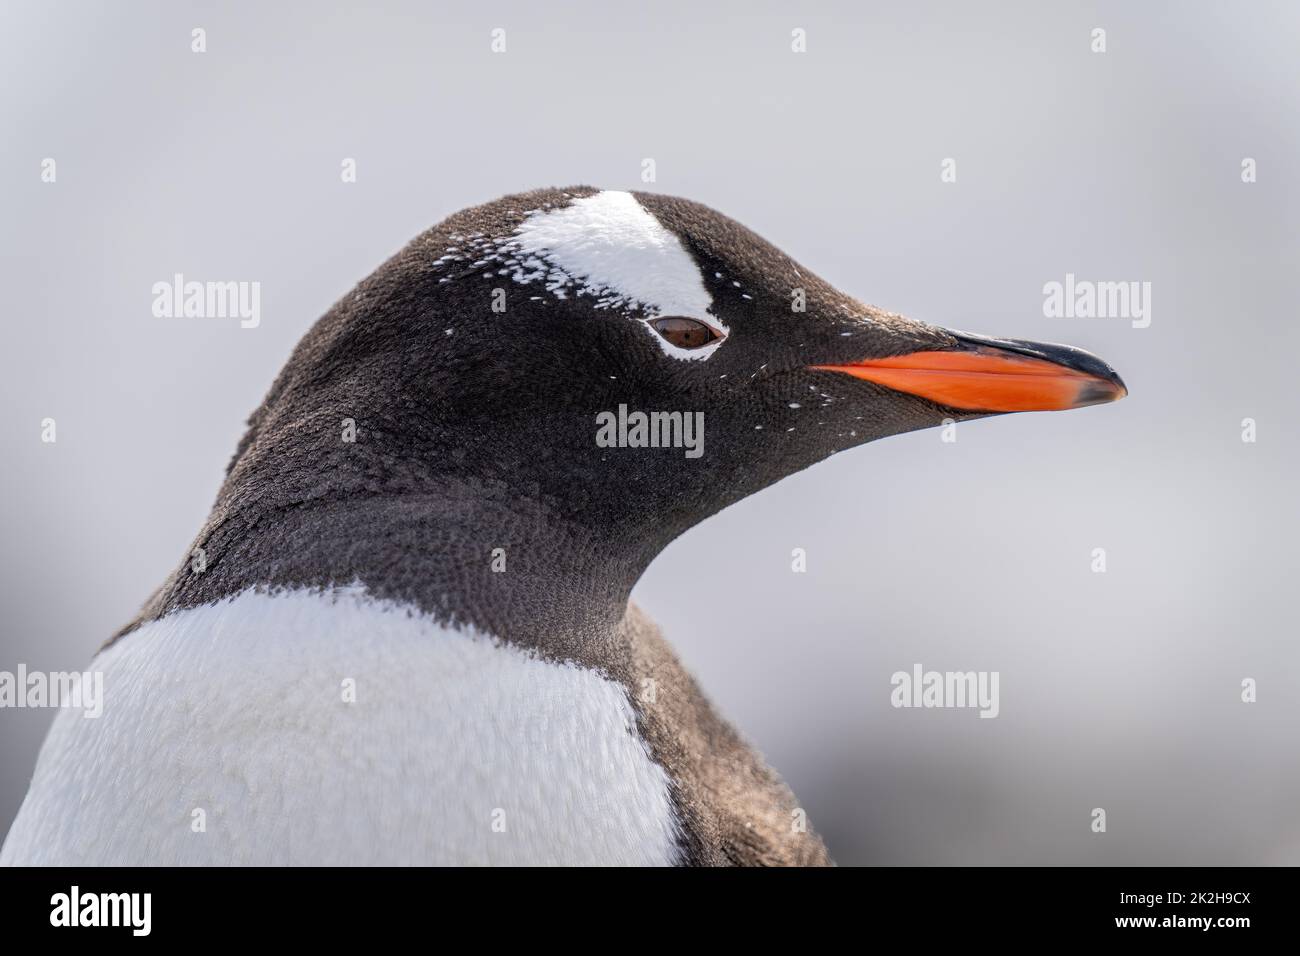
x,y
1118,690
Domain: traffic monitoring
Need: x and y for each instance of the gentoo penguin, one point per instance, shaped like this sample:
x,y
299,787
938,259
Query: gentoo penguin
x,y
403,634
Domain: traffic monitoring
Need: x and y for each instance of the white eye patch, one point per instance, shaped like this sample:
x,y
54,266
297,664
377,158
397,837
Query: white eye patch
x,y
609,246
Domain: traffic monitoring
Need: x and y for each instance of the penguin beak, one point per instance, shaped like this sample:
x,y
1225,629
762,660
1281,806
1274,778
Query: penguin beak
x,y
995,375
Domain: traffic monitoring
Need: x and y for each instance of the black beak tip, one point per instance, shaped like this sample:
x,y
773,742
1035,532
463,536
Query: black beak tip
x,y
1099,393
1107,387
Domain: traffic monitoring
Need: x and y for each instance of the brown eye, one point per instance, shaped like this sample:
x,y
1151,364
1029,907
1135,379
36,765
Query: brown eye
x,y
684,333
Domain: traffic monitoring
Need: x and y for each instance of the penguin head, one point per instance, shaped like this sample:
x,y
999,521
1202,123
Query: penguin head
x,y
638,361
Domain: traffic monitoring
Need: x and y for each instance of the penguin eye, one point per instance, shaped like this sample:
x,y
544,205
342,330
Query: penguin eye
x,y
684,333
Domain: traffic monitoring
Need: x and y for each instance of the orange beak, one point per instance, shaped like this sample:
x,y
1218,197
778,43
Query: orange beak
x,y
995,375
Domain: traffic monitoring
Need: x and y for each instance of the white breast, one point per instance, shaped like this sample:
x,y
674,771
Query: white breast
x,y
456,750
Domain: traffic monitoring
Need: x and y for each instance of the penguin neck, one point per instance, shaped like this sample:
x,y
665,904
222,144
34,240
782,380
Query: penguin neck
x,y
470,552
502,563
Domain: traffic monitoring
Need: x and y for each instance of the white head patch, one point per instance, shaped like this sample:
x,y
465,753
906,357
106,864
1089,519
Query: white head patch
x,y
609,246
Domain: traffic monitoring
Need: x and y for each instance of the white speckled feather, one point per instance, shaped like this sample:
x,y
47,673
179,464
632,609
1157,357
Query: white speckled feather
x,y
616,250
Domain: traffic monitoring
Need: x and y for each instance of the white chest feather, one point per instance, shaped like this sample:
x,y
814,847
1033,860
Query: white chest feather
x,y
301,728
